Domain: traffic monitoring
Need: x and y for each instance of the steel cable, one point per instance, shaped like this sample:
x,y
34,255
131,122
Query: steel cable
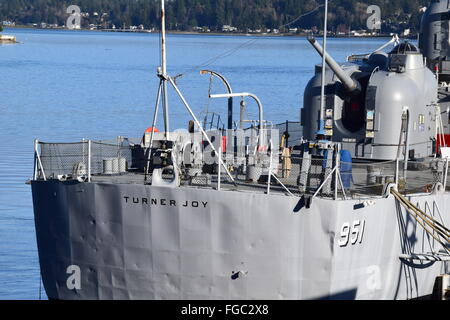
x,y
245,44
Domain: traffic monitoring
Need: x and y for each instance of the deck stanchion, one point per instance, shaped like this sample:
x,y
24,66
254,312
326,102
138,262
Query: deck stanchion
x,y
337,172
445,174
219,169
269,178
89,159
35,160
396,171
41,167
36,143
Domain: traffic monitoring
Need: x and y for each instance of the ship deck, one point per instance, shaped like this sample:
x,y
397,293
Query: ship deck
x,y
417,182
65,161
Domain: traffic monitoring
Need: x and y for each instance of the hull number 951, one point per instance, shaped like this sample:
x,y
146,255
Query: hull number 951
x,y
352,233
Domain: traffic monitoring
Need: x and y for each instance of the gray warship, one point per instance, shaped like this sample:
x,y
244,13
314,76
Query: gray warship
x,y
351,203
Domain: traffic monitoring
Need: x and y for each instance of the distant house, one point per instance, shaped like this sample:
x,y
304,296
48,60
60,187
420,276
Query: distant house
x,y
359,33
228,28
8,23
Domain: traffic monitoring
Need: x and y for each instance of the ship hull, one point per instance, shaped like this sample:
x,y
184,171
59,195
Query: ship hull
x,y
117,241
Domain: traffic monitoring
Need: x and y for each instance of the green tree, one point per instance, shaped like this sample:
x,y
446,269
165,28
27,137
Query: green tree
x,y
183,14
219,13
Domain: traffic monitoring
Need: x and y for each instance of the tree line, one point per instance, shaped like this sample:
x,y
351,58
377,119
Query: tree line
x,y
184,15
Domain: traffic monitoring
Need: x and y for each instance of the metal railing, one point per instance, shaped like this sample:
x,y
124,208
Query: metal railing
x,y
80,159
93,161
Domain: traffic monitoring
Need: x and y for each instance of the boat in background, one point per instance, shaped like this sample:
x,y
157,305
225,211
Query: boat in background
x,y
7,39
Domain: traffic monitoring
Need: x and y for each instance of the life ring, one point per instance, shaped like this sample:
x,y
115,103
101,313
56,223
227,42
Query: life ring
x,y
149,130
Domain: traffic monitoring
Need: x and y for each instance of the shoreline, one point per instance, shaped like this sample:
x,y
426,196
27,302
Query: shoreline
x,y
225,34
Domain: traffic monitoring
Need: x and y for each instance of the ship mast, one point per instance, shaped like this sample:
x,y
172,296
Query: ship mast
x,y
163,76
162,89
165,79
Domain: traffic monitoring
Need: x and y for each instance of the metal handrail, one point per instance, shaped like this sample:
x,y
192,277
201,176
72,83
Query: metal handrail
x,y
38,157
51,161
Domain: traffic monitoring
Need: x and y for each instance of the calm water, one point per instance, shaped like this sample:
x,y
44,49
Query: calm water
x,y
66,86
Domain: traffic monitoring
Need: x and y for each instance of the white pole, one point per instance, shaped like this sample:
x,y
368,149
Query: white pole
x,y
407,137
36,143
269,178
84,149
155,115
445,174
164,68
89,159
397,167
442,130
219,172
342,184
338,172
41,166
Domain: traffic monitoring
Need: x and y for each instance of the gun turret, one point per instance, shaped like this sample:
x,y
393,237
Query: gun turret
x,y
366,101
350,84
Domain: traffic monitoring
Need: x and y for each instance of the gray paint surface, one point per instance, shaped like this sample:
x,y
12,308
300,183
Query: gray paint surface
x,y
143,251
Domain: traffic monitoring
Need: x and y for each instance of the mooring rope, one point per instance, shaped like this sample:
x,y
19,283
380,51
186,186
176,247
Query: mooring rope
x,y
424,219
436,224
